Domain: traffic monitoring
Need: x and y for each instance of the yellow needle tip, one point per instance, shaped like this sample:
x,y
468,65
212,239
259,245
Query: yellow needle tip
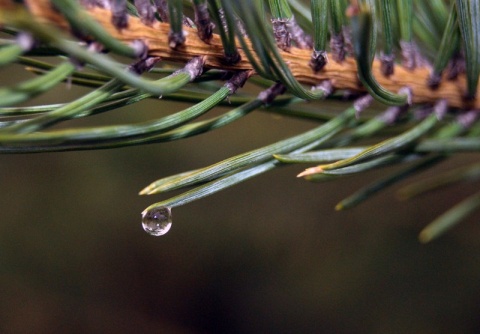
x,y
145,191
310,171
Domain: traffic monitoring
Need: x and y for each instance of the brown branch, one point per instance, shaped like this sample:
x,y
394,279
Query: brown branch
x,y
342,75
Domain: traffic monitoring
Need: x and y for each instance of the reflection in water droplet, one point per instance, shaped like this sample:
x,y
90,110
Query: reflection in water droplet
x,y
157,221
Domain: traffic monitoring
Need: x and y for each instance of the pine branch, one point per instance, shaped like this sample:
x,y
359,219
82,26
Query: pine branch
x,y
268,44
342,75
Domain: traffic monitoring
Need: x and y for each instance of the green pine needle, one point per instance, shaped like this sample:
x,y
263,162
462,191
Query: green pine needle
x,y
256,44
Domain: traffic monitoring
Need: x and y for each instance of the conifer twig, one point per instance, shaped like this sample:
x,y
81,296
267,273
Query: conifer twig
x,y
342,75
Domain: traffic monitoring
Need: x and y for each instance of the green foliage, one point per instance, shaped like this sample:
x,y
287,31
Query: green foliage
x,y
430,132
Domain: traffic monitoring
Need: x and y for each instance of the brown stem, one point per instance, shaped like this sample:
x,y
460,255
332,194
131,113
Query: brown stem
x,y
342,75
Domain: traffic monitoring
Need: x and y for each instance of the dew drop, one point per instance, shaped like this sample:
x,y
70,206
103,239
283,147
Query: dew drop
x,y
157,221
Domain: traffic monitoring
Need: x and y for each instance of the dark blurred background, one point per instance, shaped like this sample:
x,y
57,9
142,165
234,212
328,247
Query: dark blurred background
x,y
267,256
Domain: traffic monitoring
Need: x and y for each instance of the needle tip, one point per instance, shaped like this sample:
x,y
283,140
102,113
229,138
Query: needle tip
x,y
310,171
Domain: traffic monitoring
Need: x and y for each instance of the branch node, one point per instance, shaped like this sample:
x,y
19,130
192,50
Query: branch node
x,y
238,80
301,39
162,10
392,114
362,103
440,108
282,33
468,118
25,40
175,39
204,25
434,80
325,86
119,14
408,92
268,95
140,48
337,47
144,65
146,11
318,60
194,67
387,64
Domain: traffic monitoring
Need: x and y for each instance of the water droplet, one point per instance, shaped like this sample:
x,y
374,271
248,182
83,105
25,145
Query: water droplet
x,y
157,221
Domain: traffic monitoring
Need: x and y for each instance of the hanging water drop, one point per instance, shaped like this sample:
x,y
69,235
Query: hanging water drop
x,y
157,221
